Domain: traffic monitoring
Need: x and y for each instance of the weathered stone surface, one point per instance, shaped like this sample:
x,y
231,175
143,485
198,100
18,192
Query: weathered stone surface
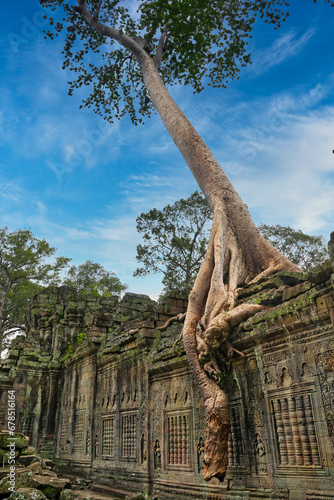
x,y
35,468
21,441
112,398
11,446
26,460
67,495
27,494
51,486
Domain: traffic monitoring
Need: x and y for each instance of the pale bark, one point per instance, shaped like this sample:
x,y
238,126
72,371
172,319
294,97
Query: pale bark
x,y
236,253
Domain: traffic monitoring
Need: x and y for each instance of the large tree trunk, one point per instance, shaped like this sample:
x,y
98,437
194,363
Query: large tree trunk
x,y
236,253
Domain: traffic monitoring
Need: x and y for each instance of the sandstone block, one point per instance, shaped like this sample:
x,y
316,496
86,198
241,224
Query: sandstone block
x,y
26,460
67,495
36,468
27,494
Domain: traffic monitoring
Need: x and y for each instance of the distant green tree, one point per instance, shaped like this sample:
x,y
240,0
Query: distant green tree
x,y
175,239
23,271
302,249
91,277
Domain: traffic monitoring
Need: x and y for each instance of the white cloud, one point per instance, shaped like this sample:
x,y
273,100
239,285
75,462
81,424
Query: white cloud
x,y
289,177
11,192
285,47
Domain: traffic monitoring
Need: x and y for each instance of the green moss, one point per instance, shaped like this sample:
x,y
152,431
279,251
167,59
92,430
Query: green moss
x,y
32,357
223,379
49,491
74,342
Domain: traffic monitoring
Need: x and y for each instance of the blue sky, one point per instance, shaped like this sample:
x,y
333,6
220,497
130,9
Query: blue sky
x,y
81,183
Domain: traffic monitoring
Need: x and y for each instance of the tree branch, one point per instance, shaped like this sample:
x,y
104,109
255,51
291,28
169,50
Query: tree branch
x,y
162,45
109,32
160,50
98,8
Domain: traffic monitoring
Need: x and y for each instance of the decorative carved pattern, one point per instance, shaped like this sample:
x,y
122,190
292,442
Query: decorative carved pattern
x,y
295,431
88,445
108,436
28,426
176,399
296,436
129,433
260,455
157,455
64,427
143,452
178,439
325,367
235,449
79,431
200,454
311,430
282,447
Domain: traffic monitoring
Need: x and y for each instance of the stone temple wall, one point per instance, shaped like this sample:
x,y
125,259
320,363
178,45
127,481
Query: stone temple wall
x,y
109,396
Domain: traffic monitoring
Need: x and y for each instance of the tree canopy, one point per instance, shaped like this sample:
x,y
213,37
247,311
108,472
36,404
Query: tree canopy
x,y
302,249
92,277
191,43
23,269
175,242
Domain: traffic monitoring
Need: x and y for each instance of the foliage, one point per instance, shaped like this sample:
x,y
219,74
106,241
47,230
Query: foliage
x,y
22,272
16,301
303,250
75,341
175,239
191,43
92,278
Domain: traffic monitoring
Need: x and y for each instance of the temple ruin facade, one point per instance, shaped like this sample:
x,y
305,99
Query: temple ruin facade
x,y
107,395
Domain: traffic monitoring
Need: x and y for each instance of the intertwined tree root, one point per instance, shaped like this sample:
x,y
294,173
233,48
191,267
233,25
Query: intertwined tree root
x,y
212,314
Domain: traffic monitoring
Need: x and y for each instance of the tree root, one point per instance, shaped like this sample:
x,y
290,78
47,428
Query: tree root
x,y
179,318
231,350
175,319
177,340
212,315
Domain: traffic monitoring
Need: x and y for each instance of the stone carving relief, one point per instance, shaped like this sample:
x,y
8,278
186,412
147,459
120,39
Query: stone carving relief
x,y
27,424
107,391
176,399
79,431
129,397
96,446
325,367
295,431
143,451
200,455
64,425
108,436
157,455
260,455
129,435
88,443
285,378
178,439
235,446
